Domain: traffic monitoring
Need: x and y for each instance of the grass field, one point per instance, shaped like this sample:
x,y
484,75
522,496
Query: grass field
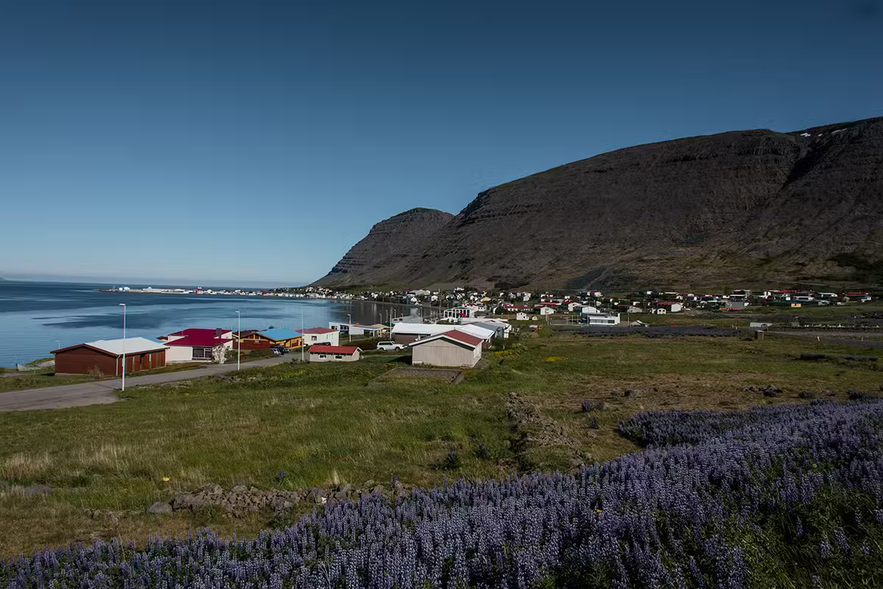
x,y
329,422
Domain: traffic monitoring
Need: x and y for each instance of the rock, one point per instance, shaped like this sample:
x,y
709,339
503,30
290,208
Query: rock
x,y
34,490
340,495
631,393
771,391
213,489
239,489
159,507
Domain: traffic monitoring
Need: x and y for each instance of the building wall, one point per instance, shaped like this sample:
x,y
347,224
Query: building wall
x,y
86,360
179,354
318,357
444,353
312,338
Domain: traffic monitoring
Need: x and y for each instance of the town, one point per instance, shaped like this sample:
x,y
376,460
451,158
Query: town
x,y
443,329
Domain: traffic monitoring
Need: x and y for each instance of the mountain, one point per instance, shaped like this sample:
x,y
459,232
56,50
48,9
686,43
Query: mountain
x,y
391,244
752,207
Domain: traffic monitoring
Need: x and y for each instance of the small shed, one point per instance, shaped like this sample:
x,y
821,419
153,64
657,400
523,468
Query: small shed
x,y
105,357
452,348
323,353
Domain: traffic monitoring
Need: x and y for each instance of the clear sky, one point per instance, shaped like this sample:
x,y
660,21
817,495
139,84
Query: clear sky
x,y
255,142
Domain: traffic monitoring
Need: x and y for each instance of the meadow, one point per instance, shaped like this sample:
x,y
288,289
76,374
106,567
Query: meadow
x,y
522,412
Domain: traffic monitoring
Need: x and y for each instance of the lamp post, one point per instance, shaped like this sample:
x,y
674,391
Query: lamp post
x,y
239,338
302,344
349,329
123,305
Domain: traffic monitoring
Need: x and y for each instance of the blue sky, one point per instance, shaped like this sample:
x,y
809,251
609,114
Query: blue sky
x,y
255,142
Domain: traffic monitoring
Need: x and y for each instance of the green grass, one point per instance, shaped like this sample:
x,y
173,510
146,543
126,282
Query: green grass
x,y
327,422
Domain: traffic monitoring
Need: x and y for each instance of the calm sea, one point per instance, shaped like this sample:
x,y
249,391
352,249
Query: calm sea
x,y
37,317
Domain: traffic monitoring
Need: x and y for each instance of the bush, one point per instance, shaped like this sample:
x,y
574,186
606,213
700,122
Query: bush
x,y
589,406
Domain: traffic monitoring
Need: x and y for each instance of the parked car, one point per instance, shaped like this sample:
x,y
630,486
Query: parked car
x,y
390,346
279,350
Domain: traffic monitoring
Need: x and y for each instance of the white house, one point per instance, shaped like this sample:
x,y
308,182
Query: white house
x,y
483,333
589,310
335,354
320,335
601,320
356,329
521,316
452,348
547,311
459,313
198,345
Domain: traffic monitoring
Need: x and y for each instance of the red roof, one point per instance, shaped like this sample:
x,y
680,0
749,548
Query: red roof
x,y
343,350
199,338
318,330
460,336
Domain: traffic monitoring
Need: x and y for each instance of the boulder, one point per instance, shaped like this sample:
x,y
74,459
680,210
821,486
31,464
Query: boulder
x,y
159,508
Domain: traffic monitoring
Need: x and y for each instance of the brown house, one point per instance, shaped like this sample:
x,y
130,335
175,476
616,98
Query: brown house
x,y
106,357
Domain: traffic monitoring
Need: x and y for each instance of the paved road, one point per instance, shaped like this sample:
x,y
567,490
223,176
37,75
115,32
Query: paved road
x,y
103,392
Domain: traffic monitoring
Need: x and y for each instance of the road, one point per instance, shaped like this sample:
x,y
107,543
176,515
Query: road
x,y
103,392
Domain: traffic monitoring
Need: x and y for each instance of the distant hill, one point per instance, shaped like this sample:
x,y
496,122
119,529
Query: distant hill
x,y
744,207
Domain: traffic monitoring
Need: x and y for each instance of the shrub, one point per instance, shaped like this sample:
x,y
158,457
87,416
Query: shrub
x,y
589,406
801,484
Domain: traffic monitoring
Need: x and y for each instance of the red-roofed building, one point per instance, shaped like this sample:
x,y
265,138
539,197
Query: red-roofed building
x,y
198,345
322,353
451,348
317,335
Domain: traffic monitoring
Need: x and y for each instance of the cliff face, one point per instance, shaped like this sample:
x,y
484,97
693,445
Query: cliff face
x,y
381,256
745,207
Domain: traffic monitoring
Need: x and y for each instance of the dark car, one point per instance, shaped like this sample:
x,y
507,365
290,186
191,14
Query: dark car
x,y
279,350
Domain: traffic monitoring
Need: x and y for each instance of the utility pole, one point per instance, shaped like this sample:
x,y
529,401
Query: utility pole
x,y
123,305
301,335
349,329
238,339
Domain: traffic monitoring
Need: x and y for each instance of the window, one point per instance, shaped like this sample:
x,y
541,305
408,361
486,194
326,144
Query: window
x,y
323,356
338,357
202,353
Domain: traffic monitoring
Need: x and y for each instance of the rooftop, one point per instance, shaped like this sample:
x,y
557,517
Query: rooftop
x,y
280,334
114,347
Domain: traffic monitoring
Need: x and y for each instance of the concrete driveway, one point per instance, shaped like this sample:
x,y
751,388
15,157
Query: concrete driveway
x,y
103,392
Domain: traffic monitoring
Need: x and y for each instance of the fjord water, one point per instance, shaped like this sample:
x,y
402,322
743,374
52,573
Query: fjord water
x,y
37,317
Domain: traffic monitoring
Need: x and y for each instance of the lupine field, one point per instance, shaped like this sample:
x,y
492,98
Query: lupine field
x,y
785,496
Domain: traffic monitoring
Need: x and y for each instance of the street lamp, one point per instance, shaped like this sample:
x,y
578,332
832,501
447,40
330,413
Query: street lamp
x,y
349,329
239,338
123,305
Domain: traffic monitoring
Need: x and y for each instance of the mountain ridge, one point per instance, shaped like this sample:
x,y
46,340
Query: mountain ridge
x,y
746,207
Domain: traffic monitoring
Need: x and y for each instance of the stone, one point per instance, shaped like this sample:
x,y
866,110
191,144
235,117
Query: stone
x,y
213,489
159,508
239,489
34,490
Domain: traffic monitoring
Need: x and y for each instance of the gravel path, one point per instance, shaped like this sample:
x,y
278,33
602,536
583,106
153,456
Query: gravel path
x,y
104,391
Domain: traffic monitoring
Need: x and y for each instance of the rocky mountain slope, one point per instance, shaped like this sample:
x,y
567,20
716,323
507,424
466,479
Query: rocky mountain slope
x,y
390,244
744,207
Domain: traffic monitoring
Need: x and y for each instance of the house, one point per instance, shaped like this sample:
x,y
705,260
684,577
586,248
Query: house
x,y
452,348
501,326
405,333
375,330
601,319
262,340
459,313
588,310
521,316
335,354
486,335
198,345
105,357
669,307
547,311
320,335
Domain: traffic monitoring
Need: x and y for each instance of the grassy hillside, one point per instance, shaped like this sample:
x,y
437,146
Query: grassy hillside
x,y
323,424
